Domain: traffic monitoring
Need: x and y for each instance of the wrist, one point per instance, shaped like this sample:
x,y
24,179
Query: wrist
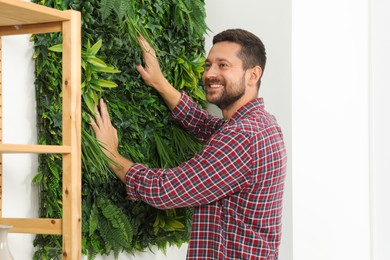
x,y
120,166
162,85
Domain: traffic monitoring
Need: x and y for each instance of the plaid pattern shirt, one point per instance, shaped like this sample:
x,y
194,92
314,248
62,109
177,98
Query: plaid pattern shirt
x,y
235,184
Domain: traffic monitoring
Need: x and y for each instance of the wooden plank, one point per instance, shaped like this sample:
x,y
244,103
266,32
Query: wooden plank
x,y
16,12
34,225
22,148
31,28
1,126
71,136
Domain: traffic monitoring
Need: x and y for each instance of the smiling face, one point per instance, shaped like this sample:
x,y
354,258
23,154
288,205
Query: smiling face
x,y
224,78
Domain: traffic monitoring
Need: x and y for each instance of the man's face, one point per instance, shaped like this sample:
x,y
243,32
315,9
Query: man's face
x,y
224,77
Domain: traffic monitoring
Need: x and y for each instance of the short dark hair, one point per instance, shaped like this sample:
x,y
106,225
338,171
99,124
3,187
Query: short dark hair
x,y
252,51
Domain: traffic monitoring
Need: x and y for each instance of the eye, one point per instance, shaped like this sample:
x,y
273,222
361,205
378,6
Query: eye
x,y
223,65
207,66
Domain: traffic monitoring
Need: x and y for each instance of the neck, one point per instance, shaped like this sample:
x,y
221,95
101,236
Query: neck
x,y
228,112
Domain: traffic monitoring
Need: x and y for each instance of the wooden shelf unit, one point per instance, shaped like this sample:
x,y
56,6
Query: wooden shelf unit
x,y
20,17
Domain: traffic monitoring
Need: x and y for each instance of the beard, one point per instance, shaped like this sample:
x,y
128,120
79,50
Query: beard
x,y
228,95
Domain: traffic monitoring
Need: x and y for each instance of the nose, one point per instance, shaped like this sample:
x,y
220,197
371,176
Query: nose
x,y
210,72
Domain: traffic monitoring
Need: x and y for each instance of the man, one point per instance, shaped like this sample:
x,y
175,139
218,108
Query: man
x,y
235,184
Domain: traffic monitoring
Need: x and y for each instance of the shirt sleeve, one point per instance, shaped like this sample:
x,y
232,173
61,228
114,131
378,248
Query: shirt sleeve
x,y
197,121
223,167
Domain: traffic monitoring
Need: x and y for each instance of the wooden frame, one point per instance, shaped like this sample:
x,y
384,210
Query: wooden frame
x,y
19,17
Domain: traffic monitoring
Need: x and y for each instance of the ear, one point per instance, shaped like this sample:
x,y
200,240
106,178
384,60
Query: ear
x,y
254,75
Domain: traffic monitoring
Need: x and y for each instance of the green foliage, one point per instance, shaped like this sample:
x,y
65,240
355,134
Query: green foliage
x,y
112,223
92,66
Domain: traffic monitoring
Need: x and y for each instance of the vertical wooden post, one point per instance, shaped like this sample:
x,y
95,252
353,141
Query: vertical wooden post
x,y
1,126
71,120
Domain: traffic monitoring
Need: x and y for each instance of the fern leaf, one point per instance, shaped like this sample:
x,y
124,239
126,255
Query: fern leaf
x,y
93,220
106,8
118,221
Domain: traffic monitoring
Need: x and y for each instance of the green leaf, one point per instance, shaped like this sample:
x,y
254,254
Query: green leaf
x,y
93,220
104,83
89,102
38,178
176,224
56,48
95,48
96,62
107,69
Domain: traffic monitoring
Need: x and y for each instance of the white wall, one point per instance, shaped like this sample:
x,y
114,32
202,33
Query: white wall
x,y
20,198
340,68
380,129
340,120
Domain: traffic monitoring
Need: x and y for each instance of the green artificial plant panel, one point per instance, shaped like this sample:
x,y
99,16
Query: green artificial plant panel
x,y
111,222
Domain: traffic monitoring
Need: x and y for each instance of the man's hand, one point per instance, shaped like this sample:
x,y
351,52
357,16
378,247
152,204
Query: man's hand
x,y
151,71
104,131
108,136
152,75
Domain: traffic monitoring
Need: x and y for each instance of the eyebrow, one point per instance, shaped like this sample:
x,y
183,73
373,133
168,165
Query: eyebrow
x,y
219,60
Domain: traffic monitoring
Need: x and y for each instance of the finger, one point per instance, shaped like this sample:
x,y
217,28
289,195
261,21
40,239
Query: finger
x,y
142,42
116,135
104,112
140,37
98,118
93,124
115,132
144,74
141,70
145,46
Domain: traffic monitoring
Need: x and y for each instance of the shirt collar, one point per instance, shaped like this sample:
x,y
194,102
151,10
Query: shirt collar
x,y
248,108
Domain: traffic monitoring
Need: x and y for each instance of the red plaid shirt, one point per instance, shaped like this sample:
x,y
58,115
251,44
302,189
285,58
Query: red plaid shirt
x,y
235,184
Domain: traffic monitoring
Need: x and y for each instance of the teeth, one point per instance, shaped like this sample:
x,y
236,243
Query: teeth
x,y
215,86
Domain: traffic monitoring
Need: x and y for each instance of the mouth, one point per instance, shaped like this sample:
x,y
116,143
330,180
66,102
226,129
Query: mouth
x,y
215,86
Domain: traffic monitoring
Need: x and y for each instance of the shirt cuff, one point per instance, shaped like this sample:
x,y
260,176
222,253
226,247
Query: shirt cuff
x,y
131,181
182,108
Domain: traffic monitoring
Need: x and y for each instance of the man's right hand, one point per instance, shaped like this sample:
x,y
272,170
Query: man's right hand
x,y
106,134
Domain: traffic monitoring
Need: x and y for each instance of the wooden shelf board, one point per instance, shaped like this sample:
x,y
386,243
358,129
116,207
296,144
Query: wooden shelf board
x,y
17,12
21,148
34,225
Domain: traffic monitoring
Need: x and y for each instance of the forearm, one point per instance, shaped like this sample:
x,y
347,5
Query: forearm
x,y
170,95
120,165
179,187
